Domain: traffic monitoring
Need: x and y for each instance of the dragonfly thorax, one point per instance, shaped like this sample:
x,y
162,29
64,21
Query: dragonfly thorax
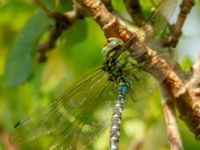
x,y
111,65
114,72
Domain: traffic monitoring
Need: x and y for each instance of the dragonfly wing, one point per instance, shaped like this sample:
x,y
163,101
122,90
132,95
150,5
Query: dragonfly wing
x,y
158,20
142,84
71,115
152,37
79,136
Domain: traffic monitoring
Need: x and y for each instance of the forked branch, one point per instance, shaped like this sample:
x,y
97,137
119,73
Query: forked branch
x,y
62,22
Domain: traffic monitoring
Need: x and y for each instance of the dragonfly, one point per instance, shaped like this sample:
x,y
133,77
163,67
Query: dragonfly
x,y
84,111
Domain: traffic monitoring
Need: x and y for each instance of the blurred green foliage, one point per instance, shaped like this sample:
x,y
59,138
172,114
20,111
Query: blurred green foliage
x,y
20,55
33,85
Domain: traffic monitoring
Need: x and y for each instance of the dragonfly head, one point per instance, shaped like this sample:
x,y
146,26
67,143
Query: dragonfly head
x,y
112,44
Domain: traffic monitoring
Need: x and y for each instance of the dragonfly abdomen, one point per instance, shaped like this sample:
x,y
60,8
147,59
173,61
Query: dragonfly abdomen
x,y
117,114
116,123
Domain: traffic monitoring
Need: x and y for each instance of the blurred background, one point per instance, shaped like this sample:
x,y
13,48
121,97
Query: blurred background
x,y
77,52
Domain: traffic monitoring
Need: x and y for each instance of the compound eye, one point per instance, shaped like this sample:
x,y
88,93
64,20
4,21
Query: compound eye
x,y
113,43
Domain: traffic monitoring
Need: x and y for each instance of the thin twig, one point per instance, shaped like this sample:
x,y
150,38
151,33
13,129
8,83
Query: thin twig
x,y
62,22
176,29
173,133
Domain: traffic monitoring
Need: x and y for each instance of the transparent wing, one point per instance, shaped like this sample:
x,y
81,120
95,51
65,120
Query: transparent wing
x,y
158,20
75,118
79,136
151,32
152,37
142,84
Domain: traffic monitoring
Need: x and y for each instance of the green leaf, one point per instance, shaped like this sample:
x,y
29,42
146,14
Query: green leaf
x,y
19,64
